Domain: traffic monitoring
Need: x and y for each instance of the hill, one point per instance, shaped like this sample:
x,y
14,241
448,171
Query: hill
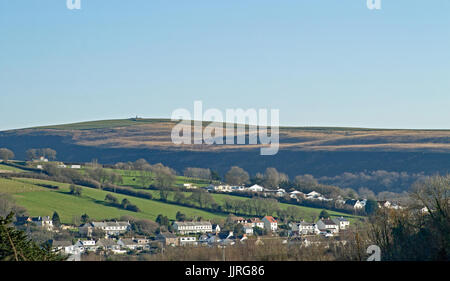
x,y
322,152
41,201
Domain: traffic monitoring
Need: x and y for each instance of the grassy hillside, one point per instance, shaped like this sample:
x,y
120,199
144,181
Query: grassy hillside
x,y
40,201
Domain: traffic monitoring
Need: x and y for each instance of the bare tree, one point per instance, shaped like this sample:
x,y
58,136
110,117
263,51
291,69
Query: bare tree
x,y
236,176
6,154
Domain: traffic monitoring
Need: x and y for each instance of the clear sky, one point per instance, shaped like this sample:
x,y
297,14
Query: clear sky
x,y
320,62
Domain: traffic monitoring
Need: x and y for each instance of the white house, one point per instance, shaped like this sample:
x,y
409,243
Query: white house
x,y
296,194
327,225
256,188
256,222
270,223
192,227
223,188
110,227
341,222
44,222
360,204
305,228
86,245
384,204
41,159
75,166
248,229
313,194
189,186
216,228
188,241
281,192
65,247
238,188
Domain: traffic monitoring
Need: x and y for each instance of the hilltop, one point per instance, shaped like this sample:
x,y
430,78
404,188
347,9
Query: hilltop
x,y
320,151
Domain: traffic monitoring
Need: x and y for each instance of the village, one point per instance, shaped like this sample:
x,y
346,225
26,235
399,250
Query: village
x,y
186,233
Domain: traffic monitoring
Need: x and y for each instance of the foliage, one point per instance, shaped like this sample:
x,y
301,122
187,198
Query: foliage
x,y
15,246
6,154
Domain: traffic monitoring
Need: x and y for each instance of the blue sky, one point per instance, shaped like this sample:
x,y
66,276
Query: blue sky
x,y
320,62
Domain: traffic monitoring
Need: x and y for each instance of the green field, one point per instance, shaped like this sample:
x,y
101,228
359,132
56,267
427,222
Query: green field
x,y
131,179
40,201
10,169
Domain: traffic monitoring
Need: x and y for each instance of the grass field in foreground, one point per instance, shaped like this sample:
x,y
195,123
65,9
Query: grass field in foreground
x,y
40,201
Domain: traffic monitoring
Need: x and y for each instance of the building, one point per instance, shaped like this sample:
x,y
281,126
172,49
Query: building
x,y
110,227
189,186
64,247
341,222
313,194
327,225
130,244
256,188
237,220
44,222
110,245
270,224
256,222
192,227
237,188
216,228
360,204
86,245
40,159
248,229
185,241
280,192
304,228
168,239
223,188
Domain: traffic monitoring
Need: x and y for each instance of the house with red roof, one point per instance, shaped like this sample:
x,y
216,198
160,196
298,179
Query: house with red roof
x,y
270,223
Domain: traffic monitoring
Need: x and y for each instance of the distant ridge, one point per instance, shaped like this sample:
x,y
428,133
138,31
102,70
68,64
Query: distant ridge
x,y
319,151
